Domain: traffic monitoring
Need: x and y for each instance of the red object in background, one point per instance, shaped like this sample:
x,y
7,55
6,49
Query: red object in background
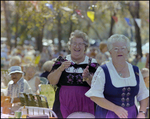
x,y
78,12
115,18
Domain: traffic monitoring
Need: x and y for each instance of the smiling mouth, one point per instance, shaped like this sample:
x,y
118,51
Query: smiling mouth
x,y
77,50
119,55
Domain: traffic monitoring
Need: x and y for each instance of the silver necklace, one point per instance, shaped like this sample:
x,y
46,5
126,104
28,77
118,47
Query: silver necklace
x,y
120,74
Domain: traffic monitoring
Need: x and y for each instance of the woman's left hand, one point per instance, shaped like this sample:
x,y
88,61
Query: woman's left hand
x,y
141,115
85,73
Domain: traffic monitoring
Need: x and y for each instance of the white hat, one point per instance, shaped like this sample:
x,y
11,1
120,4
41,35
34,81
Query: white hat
x,y
15,69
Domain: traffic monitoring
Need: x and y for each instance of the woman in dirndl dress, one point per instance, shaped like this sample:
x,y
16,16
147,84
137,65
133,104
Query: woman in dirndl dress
x,y
116,84
67,75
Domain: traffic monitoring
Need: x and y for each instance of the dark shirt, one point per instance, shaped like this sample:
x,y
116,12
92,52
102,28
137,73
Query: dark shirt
x,y
45,74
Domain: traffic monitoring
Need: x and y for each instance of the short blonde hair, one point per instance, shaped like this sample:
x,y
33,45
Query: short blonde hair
x,y
15,61
79,34
30,65
47,66
117,38
145,72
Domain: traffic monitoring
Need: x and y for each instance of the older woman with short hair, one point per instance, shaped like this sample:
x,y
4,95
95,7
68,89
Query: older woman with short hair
x,y
116,83
67,75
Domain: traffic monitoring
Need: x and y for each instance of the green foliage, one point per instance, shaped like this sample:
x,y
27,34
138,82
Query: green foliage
x,y
31,21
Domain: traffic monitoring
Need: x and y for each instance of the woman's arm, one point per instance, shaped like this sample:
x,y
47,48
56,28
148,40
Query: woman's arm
x,y
54,76
143,106
104,103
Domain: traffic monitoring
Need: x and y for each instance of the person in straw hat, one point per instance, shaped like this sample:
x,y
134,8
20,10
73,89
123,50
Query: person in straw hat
x,y
17,84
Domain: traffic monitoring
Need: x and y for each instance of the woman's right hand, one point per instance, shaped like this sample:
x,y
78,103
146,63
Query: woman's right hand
x,y
121,112
65,65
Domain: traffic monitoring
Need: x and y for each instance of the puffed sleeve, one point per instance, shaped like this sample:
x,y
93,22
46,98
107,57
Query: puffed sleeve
x,y
143,91
97,85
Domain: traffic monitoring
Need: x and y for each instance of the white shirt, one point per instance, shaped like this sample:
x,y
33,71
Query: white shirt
x,y
22,85
80,70
98,82
31,82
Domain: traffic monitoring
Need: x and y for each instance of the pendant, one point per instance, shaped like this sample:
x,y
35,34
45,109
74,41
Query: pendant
x,y
120,74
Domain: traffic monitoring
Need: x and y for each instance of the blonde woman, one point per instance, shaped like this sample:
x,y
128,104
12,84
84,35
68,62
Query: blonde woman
x,y
33,81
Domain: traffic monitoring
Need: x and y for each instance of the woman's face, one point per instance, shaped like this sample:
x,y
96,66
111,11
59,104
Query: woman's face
x,y
77,48
30,72
119,51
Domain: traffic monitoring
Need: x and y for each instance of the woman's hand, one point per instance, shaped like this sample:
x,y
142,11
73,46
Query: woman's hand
x,y
64,65
141,115
86,73
121,112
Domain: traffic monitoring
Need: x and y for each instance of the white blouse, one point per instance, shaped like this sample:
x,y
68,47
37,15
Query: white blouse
x,y
80,70
98,82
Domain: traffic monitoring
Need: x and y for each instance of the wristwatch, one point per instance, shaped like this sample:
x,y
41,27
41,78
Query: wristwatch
x,y
142,112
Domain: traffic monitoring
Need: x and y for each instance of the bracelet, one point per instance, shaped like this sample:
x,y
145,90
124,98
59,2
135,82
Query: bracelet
x,y
142,112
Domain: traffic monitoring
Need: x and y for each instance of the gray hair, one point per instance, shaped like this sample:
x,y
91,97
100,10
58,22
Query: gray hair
x,y
79,34
117,38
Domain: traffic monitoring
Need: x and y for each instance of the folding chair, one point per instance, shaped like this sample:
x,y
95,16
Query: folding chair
x,y
43,80
81,115
39,111
41,102
29,99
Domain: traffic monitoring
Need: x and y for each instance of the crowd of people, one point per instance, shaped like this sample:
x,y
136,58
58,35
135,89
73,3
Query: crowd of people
x,y
96,80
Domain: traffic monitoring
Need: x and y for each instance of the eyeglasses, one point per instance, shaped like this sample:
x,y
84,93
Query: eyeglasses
x,y
79,44
116,49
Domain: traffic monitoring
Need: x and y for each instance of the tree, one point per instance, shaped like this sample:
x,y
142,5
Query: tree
x,y
6,11
134,8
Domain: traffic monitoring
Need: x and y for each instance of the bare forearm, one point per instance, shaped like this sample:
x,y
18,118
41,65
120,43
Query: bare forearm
x,y
53,77
104,103
143,104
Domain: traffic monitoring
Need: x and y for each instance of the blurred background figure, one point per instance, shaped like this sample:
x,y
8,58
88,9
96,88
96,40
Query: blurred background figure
x,y
44,57
56,53
147,61
47,66
15,61
92,53
102,56
34,81
136,59
4,58
145,74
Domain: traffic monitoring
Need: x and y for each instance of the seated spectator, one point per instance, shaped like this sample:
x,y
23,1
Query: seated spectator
x,y
33,80
15,61
47,66
17,84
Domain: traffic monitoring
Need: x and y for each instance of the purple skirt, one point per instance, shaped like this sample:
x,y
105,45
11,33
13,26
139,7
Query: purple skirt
x,y
73,99
132,112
